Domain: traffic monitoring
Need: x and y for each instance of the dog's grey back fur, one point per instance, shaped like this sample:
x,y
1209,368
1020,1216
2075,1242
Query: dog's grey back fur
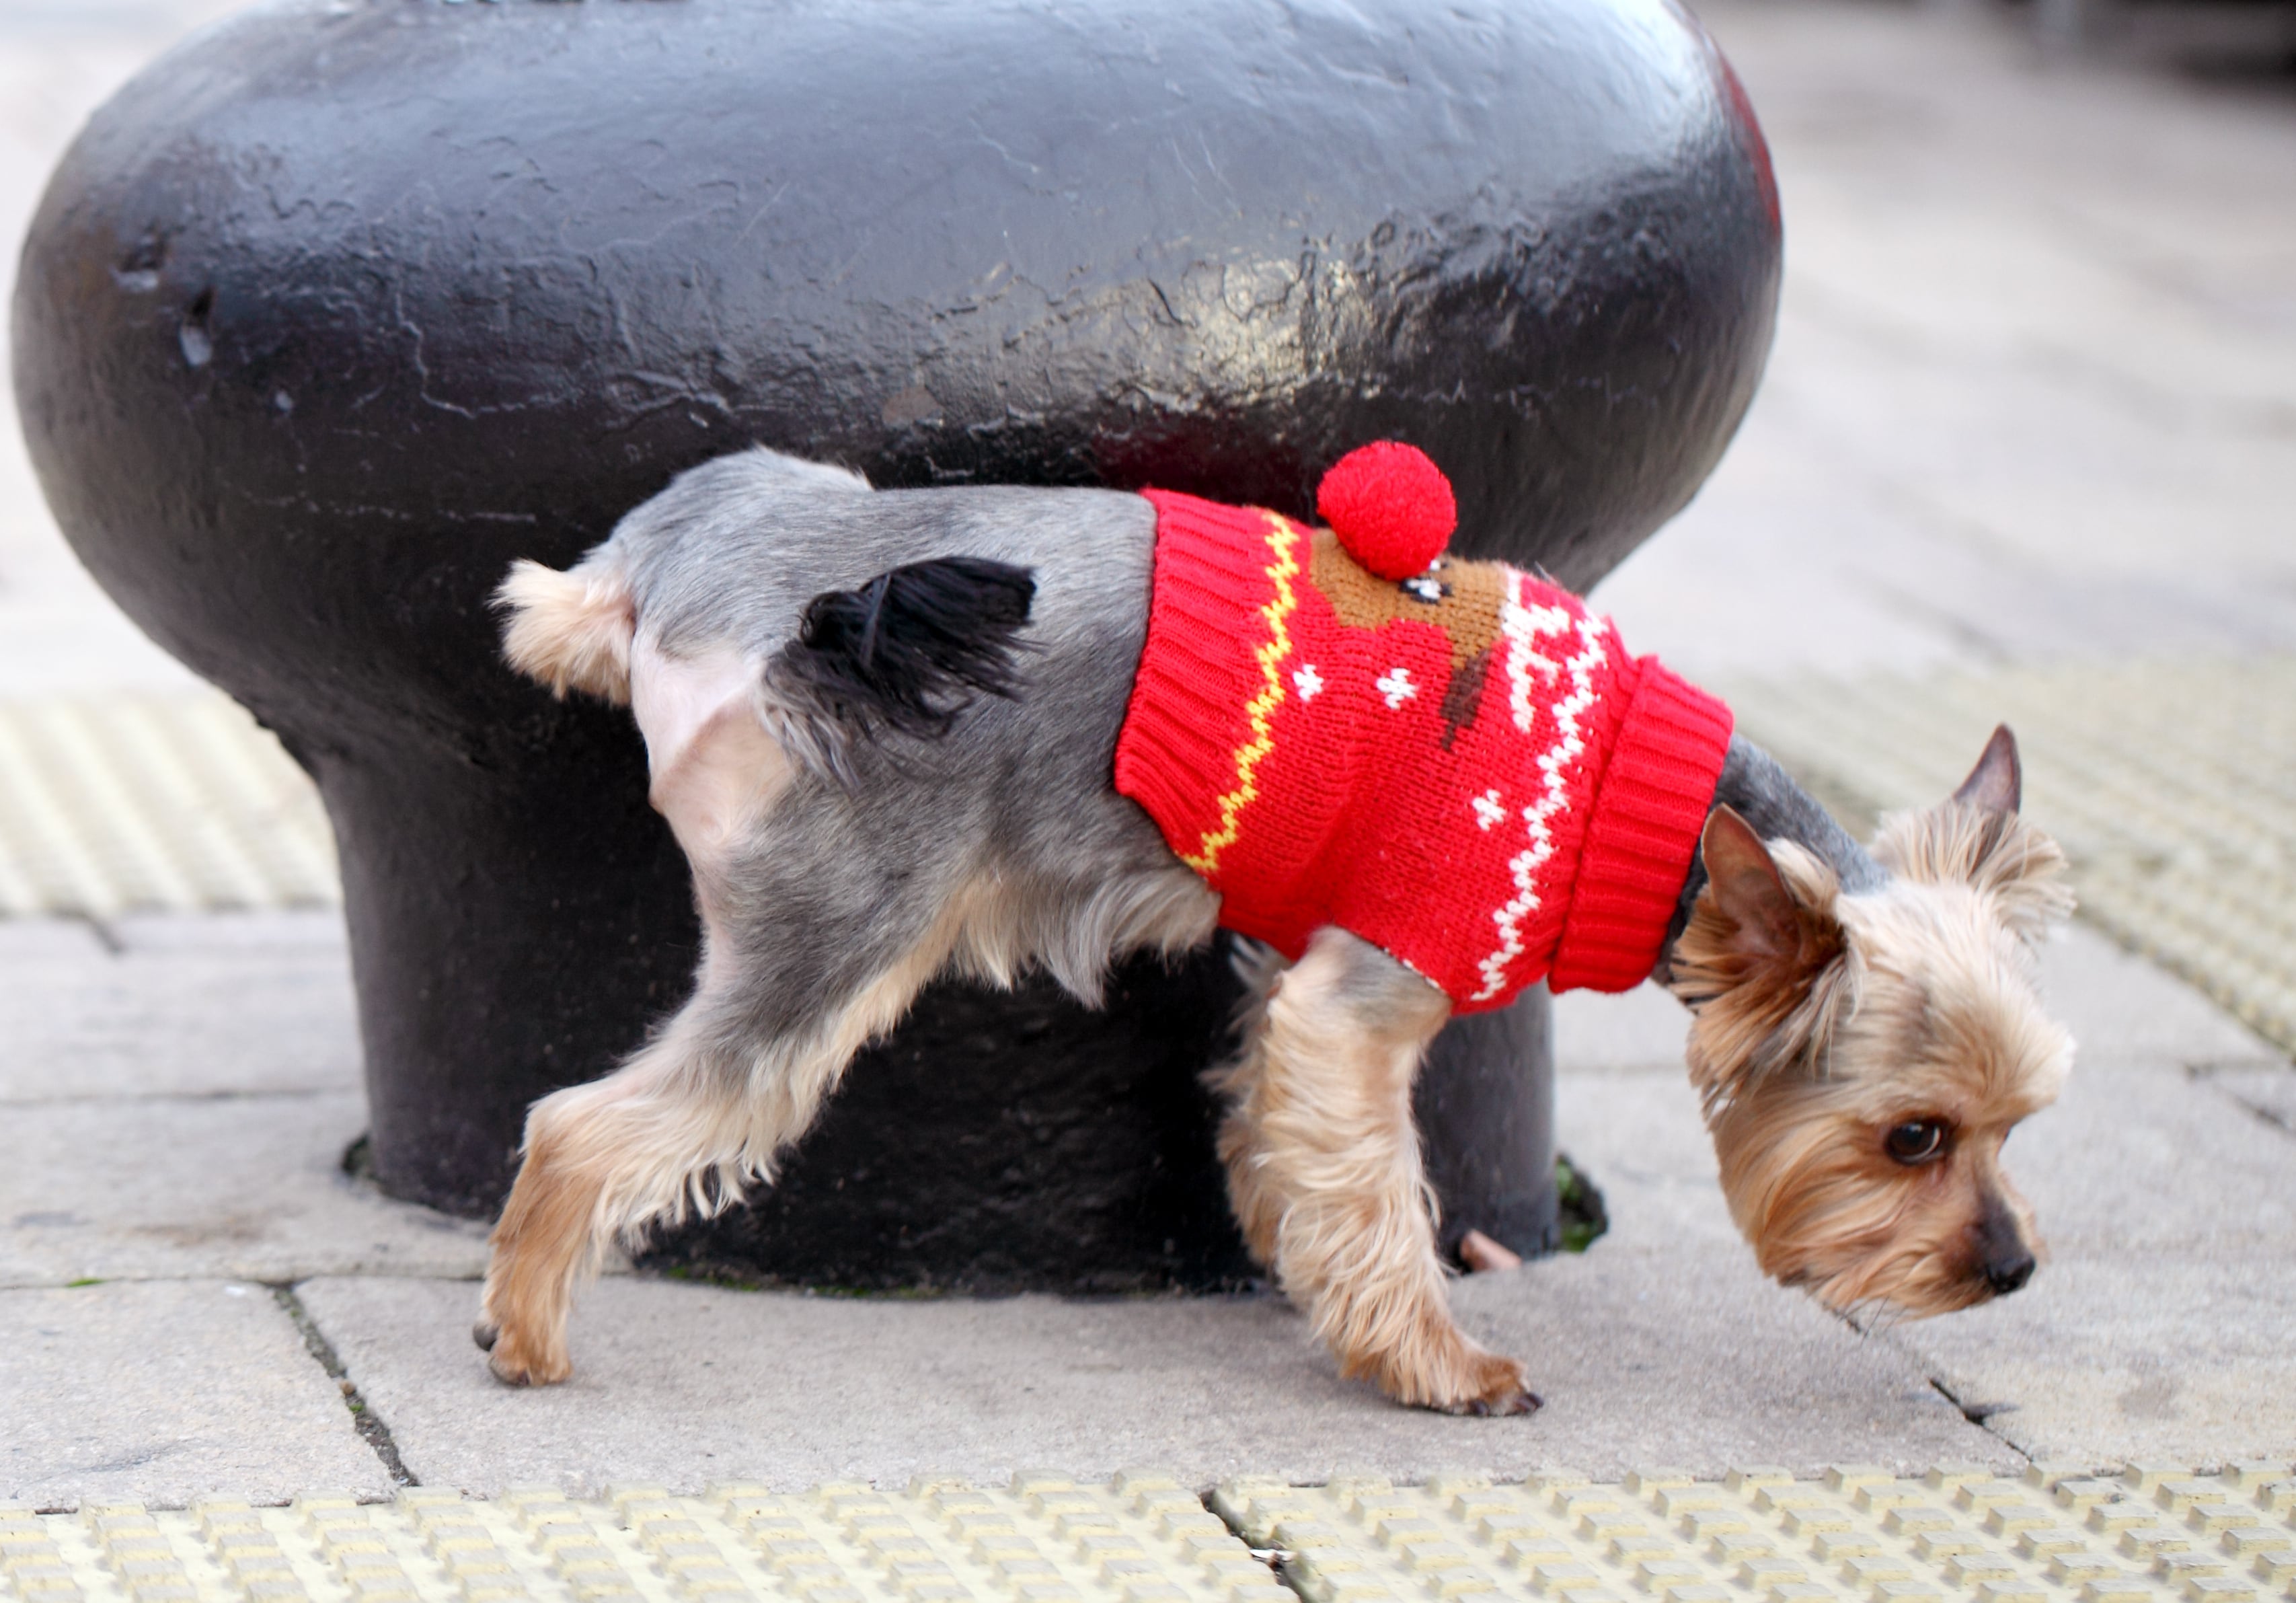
x,y
843,877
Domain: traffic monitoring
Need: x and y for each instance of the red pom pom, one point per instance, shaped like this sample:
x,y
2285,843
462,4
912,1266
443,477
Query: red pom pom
x,y
1390,506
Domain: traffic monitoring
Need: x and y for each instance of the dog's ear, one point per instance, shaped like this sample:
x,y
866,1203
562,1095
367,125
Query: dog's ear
x,y
1997,783
1762,960
1763,920
1976,838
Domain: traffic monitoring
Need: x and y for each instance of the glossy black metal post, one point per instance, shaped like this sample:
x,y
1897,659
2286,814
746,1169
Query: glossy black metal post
x,y
337,310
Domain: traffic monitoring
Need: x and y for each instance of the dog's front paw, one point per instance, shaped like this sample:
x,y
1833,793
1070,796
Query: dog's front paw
x,y
1494,1386
516,1358
517,1361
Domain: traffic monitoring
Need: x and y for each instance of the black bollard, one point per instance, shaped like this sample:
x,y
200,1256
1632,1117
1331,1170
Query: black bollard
x,y
338,309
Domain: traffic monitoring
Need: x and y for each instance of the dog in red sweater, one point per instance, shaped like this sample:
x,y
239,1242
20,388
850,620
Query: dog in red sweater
x,y
1415,783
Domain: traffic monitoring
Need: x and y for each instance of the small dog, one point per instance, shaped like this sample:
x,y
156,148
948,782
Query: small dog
x,y
882,726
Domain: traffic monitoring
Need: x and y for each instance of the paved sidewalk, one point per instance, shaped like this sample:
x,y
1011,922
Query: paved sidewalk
x,y
2034,404
178,1221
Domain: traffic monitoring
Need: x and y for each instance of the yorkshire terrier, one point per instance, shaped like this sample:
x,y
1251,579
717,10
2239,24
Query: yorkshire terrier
x,y
970,731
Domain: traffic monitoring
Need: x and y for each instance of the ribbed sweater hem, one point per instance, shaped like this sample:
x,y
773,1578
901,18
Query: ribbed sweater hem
x,y
1647,816
1180,732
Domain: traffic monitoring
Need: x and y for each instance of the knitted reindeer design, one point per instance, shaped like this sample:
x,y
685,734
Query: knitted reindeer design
x,y
1452,760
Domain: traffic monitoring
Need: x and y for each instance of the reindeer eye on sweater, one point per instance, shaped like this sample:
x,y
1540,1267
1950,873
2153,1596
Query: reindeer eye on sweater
x,y
1420,587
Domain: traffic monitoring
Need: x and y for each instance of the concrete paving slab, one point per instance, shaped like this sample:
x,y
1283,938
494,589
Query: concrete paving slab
x,y
2034,365
164,1392
248,1186
1692,1360
316,932
2269,1094
119,801
1638,1029
184,1007
1763,572
1639,1138
2123,1009
2131,1356
2134,1160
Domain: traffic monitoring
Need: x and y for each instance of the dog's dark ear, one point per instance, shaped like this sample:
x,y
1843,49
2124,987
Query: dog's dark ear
x,y
1762,958
905,653
1997,783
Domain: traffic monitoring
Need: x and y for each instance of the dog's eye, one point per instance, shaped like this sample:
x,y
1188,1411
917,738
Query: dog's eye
x,y
1917,1141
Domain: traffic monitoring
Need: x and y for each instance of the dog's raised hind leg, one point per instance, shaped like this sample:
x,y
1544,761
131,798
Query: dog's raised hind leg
x,y
683,1128
1354,1243
598,1159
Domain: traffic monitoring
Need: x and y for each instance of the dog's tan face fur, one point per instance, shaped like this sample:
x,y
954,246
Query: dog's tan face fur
x,y
1863,1057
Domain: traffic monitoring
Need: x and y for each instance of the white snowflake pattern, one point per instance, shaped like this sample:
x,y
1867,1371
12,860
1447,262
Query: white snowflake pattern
x,y
1308,682
1396,687
1488,810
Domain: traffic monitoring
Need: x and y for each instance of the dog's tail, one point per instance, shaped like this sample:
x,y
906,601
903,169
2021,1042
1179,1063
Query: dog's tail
x,y
905,653
570,631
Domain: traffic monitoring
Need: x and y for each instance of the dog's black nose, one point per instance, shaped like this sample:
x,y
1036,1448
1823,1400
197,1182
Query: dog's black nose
x,y
2007,1274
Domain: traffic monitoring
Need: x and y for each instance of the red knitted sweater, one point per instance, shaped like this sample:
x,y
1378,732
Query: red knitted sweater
x,y
1464,768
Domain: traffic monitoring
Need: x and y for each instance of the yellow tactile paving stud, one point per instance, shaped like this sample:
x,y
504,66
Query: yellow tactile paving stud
x,y
1857,1534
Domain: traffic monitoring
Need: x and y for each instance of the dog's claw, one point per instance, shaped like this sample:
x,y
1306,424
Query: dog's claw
x,y
1498,1388
486,1333
1485,1408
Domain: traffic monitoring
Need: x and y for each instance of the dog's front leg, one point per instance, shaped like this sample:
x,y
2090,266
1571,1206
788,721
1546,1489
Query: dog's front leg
x,y
1336,1151
1251,1191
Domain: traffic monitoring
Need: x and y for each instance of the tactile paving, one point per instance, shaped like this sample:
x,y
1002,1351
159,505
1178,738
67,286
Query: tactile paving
x,y
2170,784
176,803
2153,1533
1142,1538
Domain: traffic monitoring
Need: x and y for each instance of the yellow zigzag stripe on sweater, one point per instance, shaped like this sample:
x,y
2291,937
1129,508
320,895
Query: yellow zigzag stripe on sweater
x,y
1280,539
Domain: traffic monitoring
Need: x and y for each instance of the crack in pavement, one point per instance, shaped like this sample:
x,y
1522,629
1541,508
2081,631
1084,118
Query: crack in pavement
x,y
369,1424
